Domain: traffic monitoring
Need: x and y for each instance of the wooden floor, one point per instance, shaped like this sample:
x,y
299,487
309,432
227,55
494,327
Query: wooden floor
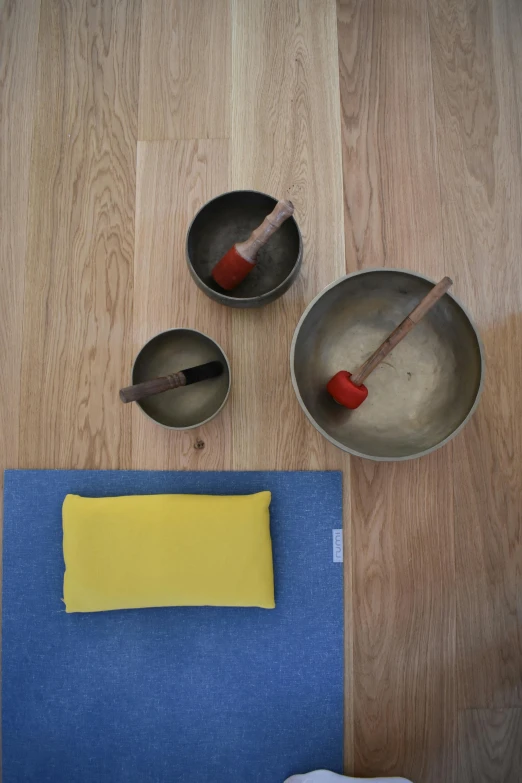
x,y
396,127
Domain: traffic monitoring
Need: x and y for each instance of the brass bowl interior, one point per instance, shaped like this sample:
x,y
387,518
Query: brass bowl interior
x,y
418,397
231,218
170,352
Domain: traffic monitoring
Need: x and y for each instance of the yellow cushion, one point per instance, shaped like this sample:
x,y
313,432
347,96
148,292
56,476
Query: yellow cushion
x,y
167,550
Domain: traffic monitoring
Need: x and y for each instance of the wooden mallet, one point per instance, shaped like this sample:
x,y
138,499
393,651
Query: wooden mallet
x,y
236,264
184,378
348,388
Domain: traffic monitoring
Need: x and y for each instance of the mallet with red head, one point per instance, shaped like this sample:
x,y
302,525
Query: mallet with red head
x,y
348,389
236,264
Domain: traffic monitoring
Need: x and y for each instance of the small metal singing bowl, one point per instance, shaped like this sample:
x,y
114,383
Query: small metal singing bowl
x,y
419,397
189,406
231,218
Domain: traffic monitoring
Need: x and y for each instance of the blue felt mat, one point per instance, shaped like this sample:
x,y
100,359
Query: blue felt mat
x,y
196,695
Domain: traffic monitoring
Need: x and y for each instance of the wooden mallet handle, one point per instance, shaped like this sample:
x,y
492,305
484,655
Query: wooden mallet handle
x,y
184,378
157,385
398,334
260,235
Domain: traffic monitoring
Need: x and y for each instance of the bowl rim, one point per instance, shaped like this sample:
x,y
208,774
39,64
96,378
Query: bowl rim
x,y
202,334
337,443
260,297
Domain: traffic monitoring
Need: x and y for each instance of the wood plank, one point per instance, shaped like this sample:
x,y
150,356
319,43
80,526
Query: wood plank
x,y
293,146
404,619
285,139
18,58
490,746
507,39
402,514
81,237
18,46
513,22
175,178
511,15
475,81
185,70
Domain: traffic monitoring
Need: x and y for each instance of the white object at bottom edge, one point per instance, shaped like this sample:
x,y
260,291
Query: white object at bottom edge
x,y
322,776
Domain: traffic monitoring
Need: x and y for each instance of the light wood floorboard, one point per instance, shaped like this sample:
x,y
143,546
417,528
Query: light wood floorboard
x,y
402,514
475,54
175,178
80,247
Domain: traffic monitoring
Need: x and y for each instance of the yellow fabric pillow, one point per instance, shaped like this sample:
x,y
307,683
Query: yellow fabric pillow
x,y
167,550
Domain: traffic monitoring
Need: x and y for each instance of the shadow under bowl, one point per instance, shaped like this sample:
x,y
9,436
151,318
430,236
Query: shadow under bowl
x,y
419,397
231,218
188,406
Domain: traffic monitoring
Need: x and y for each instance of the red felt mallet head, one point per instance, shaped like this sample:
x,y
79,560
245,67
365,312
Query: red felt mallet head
x,y
231,269
348,389
237,262
345,392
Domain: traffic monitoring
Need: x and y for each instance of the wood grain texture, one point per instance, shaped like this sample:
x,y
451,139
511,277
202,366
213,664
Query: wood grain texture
x,y
404,620
78,300
18,47
490,746
285,140
185,70
175,178
476,73
291,149
402,514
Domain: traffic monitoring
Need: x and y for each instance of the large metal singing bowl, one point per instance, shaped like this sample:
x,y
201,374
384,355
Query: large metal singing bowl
x,y
419,397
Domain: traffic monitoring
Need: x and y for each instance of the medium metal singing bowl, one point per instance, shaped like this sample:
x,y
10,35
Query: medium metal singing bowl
x,y
231,218
189,406
419,397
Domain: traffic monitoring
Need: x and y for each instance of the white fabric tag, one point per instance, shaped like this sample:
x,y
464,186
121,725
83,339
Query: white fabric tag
x,y
322,776
337,542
